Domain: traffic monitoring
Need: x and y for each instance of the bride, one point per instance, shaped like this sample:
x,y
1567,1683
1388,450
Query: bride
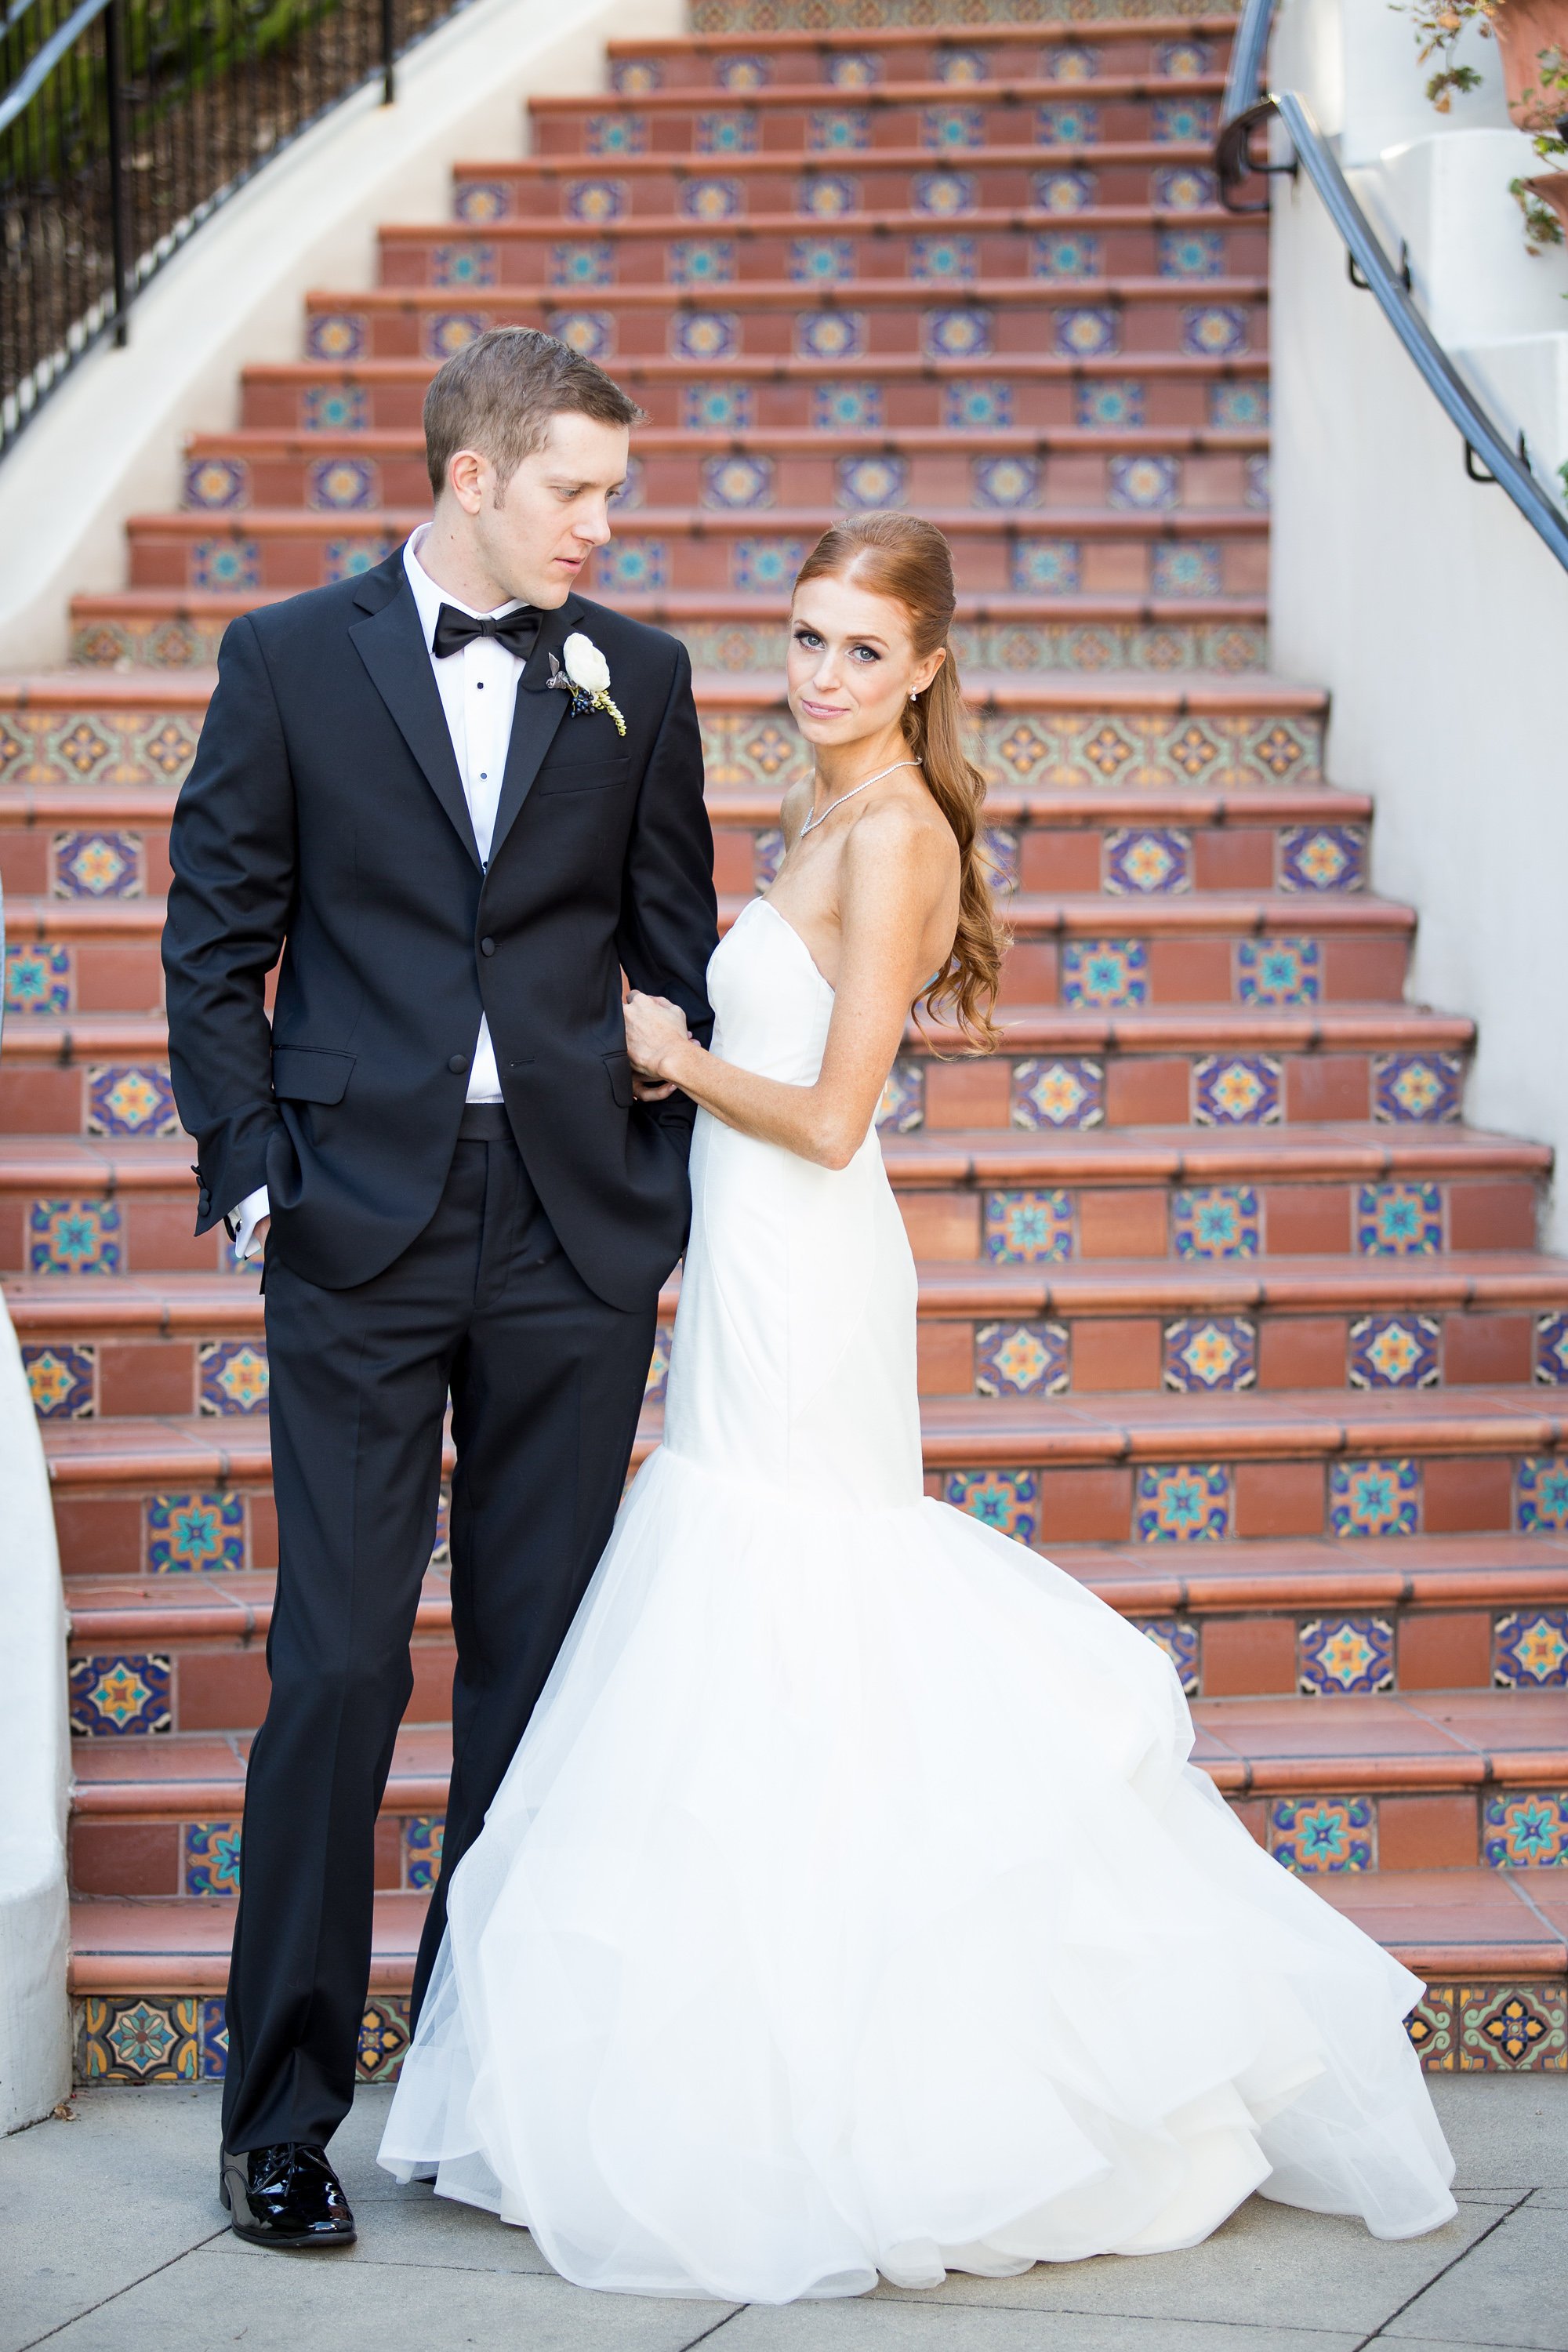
x,y
850,1907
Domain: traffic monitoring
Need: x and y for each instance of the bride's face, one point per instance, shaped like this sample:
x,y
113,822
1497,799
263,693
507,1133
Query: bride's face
x,y
851,667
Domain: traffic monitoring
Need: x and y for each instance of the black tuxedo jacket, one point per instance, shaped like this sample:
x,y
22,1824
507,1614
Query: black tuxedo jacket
x,y
325,816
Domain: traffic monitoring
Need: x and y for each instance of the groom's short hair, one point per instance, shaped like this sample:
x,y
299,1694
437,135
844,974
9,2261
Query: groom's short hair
x,y
498,393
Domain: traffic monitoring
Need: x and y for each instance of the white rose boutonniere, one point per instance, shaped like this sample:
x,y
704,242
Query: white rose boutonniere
x,y
586,678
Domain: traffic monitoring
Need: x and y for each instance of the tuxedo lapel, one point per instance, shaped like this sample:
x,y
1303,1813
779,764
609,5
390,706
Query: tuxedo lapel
x,y
536,715
391,643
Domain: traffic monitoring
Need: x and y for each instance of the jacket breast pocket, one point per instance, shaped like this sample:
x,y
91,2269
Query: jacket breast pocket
x,y
308,1074
595,773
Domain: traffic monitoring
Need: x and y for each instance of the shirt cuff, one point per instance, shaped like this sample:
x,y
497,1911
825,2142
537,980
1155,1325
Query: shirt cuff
x,y
244,1221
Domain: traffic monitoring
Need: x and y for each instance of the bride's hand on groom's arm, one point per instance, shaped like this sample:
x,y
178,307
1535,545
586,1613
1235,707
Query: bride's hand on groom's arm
x,y
654,1027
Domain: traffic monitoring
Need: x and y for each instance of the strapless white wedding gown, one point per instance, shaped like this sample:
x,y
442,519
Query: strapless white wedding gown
x,y
850,1906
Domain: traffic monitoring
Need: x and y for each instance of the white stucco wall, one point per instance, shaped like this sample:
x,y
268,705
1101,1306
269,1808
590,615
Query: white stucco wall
x,y
1423,601
107,443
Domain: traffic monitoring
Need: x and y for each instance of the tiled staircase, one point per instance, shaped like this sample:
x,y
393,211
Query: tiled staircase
x,y
1222,1302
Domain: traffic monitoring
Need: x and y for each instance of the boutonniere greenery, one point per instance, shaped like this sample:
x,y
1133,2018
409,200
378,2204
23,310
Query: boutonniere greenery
x,y
586,678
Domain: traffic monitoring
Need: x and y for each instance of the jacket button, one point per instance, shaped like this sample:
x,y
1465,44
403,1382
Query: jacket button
x,y
486,947
458,1064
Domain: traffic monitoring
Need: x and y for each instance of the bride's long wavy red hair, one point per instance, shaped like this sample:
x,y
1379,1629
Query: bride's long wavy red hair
x,y
909,563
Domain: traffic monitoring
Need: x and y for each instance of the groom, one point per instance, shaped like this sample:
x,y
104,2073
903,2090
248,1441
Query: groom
x,y
457,851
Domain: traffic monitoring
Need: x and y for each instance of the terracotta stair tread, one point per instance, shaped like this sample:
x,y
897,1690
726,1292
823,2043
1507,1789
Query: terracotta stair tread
x,y
704,522
789,294
222,1608
564,164
775,97
1034,440
1068,32
189,1774
374,370
151,1944
653,228
664,605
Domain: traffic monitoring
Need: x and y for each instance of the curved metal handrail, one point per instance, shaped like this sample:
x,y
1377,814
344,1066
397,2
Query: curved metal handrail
x,y
1369,264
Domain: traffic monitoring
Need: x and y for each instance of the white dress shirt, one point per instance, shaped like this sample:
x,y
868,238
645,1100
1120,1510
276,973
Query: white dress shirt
x,y
478,687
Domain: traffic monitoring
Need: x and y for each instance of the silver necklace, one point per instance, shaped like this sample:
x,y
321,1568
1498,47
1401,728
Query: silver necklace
x,y
812,822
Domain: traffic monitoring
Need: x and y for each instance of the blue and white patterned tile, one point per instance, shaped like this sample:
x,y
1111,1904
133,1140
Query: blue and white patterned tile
x,y
901,1110
337,485
961,68
1008,483
1238,1090
739,75
1001,852
837,131
422,1840
1202,1354
976,407
636,76
1214,331
1182,188
480,202
1398,1220
1552,1350
1046,567
463,265
232,1374
1183,1501
1072,62
121,1694
589,262
1062,254
1279,972
826,196
1190,253
1144,485
331,409
943,259
75,1237
1053,1093
1541,1495
454,331
866,484
97,864
384,2038
1110,405
131,1099
1066,191
946,127
195,1535
1008,1501
1323,858
1256,483
846,407
1344,1655
1417,1089
590,333
1027,1228
1216,1220
209,1858
718,407
1085,331
766,566
1238,407
822,260
616,134
1066,122
1105,975
1187,567
704,335
1318,1835
39,979
633,492
1179,1639
593,202
1525,1828
632,567
336,335
1395,1351
829,334
711,200
1530,1649
1181,121
944,194
1186,59
737,482
215,483
225,564
1374,1498
351,559
1148,861
658,1380
968,334
61,1380
853,69
1020,1360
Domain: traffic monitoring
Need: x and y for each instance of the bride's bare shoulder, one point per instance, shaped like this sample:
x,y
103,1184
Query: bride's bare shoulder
x,y
900,854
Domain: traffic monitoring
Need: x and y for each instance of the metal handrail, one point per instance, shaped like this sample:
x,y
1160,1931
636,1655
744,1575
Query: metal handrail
x,y
1369,265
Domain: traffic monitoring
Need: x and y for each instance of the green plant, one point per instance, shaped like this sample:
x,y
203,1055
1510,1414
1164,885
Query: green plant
x,y
1541,225
1439,25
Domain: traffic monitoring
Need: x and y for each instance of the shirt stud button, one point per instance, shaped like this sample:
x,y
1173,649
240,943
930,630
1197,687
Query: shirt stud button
x,y
458,1064
486,947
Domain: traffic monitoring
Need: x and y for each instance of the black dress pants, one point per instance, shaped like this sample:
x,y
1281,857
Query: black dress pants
x,y
546,1382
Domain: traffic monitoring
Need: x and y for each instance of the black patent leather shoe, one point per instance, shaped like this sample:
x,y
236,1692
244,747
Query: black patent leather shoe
x,y
287,2196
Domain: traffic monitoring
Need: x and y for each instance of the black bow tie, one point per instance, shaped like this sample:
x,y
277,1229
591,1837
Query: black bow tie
x,y
515,631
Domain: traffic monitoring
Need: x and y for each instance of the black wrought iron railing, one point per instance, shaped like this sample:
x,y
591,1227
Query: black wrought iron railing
x,y
1248,108
124,124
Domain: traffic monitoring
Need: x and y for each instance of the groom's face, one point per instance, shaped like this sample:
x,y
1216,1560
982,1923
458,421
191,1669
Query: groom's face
x,y
535,533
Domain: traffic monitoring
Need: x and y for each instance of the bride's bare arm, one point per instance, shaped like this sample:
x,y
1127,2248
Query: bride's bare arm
x,y
894,873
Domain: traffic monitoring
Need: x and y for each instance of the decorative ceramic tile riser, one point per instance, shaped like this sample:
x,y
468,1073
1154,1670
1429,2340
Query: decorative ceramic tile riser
x,y
1508,2029
876,16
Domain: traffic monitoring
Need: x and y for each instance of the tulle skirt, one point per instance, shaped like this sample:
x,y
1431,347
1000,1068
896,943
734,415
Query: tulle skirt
x,y
851,1908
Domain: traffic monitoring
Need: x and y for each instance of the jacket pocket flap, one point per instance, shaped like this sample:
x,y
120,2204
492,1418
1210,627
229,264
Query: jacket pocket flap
x,y
301,1073
620,1069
